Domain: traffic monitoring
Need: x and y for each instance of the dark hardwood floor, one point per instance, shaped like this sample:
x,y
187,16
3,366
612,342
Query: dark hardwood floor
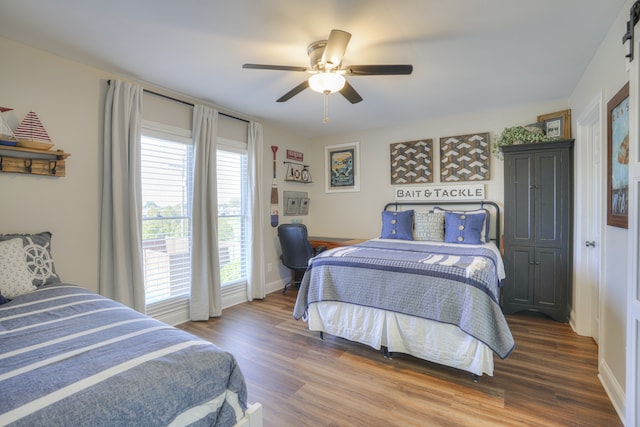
x,y
549,380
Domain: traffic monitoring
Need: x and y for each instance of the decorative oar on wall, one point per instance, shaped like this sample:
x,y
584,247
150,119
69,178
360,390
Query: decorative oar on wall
x,y
274,191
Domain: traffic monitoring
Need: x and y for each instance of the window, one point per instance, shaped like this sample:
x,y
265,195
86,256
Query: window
x,y
167,189
166,171
232,211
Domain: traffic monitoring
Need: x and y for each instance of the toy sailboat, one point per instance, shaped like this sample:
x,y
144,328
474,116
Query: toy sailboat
x,y
6,134
30,133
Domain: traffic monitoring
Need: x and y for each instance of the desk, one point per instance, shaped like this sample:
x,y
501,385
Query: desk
x,y
334,242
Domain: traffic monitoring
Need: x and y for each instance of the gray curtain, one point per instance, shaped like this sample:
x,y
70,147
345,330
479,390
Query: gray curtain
x,y
206,296
121,274
256,275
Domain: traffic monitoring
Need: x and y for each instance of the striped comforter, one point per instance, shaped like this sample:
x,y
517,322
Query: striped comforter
x,y
454,284
69,357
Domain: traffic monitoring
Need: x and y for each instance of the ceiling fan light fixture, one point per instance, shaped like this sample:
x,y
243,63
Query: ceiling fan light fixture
x,y
326,82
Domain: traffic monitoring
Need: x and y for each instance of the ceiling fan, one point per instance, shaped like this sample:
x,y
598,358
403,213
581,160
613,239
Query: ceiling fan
x,y
327,72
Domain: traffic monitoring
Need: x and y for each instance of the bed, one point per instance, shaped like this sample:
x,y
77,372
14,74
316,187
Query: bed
x,y
431,291
69,356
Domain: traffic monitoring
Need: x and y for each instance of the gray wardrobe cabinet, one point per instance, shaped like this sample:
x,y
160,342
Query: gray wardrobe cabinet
x,y
538,214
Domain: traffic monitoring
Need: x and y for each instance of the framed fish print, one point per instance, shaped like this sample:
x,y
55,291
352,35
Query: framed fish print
x,y
618,159
342,168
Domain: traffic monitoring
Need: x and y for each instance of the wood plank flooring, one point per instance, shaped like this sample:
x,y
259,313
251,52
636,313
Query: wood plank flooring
x,y
549,380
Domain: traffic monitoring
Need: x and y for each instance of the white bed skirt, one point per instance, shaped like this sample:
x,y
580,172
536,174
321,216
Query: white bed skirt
x,y
426,339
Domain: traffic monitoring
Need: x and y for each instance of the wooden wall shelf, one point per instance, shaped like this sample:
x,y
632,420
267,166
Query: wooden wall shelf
x,y
32,161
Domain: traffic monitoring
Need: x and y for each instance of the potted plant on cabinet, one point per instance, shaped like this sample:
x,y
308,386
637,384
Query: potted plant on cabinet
x,y
517,135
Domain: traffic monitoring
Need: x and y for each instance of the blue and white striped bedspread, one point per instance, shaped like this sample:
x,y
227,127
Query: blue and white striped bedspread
x,y
455,284
69,357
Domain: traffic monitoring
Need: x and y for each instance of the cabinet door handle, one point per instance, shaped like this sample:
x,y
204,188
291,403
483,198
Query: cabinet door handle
x,y
591,243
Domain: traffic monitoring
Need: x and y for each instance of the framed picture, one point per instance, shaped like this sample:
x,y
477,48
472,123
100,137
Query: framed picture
x,y
292,206
342,167
557,125
304,207
295,203
618,159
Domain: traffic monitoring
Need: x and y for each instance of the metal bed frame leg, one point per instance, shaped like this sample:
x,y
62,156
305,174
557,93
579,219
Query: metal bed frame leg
x,y
386,353
321,335
475,378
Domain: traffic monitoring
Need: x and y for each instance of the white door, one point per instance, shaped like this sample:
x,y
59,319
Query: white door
x,y
588,220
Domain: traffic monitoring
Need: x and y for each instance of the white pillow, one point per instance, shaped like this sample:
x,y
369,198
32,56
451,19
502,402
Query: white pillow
x,y
15,279
429,226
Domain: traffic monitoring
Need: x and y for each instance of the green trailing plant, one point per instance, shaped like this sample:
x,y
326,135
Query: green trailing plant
x,y
516,135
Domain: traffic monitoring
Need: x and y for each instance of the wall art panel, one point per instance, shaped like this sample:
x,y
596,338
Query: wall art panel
x,y
412,162
465,158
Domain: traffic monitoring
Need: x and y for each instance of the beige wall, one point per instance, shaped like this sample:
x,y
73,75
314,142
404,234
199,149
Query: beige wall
x,y
68,98
358,214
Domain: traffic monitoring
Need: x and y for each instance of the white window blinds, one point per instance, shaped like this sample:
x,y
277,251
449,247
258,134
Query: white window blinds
x,y
232,211
167,161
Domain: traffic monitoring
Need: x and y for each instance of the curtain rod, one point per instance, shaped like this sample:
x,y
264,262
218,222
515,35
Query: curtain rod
x,y
191,105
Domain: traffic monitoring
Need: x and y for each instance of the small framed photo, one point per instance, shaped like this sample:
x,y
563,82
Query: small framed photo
x,y
292,206
342,168
304,207
557,125
618,159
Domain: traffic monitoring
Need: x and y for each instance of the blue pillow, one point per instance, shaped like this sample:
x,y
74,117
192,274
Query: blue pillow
x,y
397,225
464,228
484,236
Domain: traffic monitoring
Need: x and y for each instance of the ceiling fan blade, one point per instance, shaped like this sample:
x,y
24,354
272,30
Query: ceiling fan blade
x,y
335,48
350,93
274,67
378,70
293,92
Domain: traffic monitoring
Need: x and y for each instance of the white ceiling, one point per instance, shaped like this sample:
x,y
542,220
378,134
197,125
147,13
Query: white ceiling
x,y
468,55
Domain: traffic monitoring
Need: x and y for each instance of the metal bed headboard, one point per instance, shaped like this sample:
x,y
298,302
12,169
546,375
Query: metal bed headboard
x,y
489,205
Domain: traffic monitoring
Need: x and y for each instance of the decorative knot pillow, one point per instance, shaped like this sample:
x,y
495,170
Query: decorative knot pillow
x,y
37,254
397,225
464,228
429,226
15,279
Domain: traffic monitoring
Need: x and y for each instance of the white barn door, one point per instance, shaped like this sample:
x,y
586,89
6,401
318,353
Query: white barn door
x,y
632,404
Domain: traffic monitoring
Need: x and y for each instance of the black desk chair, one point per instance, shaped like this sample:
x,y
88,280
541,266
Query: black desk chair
x,y
296,251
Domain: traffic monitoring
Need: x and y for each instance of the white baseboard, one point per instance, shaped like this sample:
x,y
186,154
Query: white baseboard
x,y
231,295
572,321
277,285
173,314
613,389
239,295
